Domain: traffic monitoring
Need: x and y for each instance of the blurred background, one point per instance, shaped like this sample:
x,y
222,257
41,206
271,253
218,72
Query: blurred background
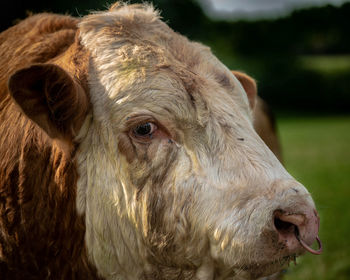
x,y
299,53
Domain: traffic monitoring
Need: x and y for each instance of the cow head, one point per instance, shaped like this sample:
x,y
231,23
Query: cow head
x,y
174,181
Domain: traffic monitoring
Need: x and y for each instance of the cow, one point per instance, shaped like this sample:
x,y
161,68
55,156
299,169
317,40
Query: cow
x,y
129,152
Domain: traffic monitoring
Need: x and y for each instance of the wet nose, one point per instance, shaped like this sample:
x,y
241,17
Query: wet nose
x,y
298,231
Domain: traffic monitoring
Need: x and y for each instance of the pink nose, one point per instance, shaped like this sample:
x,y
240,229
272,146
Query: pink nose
x,y
298,231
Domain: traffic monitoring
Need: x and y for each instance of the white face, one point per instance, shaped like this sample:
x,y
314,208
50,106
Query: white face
x,y
173,177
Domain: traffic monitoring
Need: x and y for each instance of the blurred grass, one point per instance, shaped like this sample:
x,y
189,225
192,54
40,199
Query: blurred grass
x,y
326,64
316,152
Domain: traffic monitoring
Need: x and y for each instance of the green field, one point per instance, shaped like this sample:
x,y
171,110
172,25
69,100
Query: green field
x,y
316,151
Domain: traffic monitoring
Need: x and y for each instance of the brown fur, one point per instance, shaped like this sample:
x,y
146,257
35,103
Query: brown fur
x,y
249,85
41,235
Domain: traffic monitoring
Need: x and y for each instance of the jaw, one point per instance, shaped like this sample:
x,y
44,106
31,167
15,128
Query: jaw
x,y
257,270
211,270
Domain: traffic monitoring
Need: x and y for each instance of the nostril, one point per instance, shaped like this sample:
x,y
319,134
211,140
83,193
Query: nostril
x,y
295,219
287,224
284,228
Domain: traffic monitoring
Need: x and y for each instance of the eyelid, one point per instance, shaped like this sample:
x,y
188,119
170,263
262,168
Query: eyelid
x,y
135,120
153,126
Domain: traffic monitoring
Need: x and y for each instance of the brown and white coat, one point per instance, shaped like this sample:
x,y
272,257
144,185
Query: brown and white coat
x,y
128,152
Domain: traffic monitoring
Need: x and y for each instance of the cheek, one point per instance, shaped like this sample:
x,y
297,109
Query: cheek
x,y
147,151
159,148
126,147
147,165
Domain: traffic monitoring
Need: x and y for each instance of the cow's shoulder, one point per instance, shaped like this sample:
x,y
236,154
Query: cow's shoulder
x,y
40,228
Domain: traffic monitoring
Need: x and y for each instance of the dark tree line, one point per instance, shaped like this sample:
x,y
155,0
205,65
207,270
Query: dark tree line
x,y
269,50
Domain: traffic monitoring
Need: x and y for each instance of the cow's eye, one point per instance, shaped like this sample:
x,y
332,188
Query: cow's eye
x,y
145,130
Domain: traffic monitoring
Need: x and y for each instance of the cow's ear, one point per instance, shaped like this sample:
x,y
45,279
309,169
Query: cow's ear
x,y
50,97
249,86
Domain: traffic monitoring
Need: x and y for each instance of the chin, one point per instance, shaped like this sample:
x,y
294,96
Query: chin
x,y
263,269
